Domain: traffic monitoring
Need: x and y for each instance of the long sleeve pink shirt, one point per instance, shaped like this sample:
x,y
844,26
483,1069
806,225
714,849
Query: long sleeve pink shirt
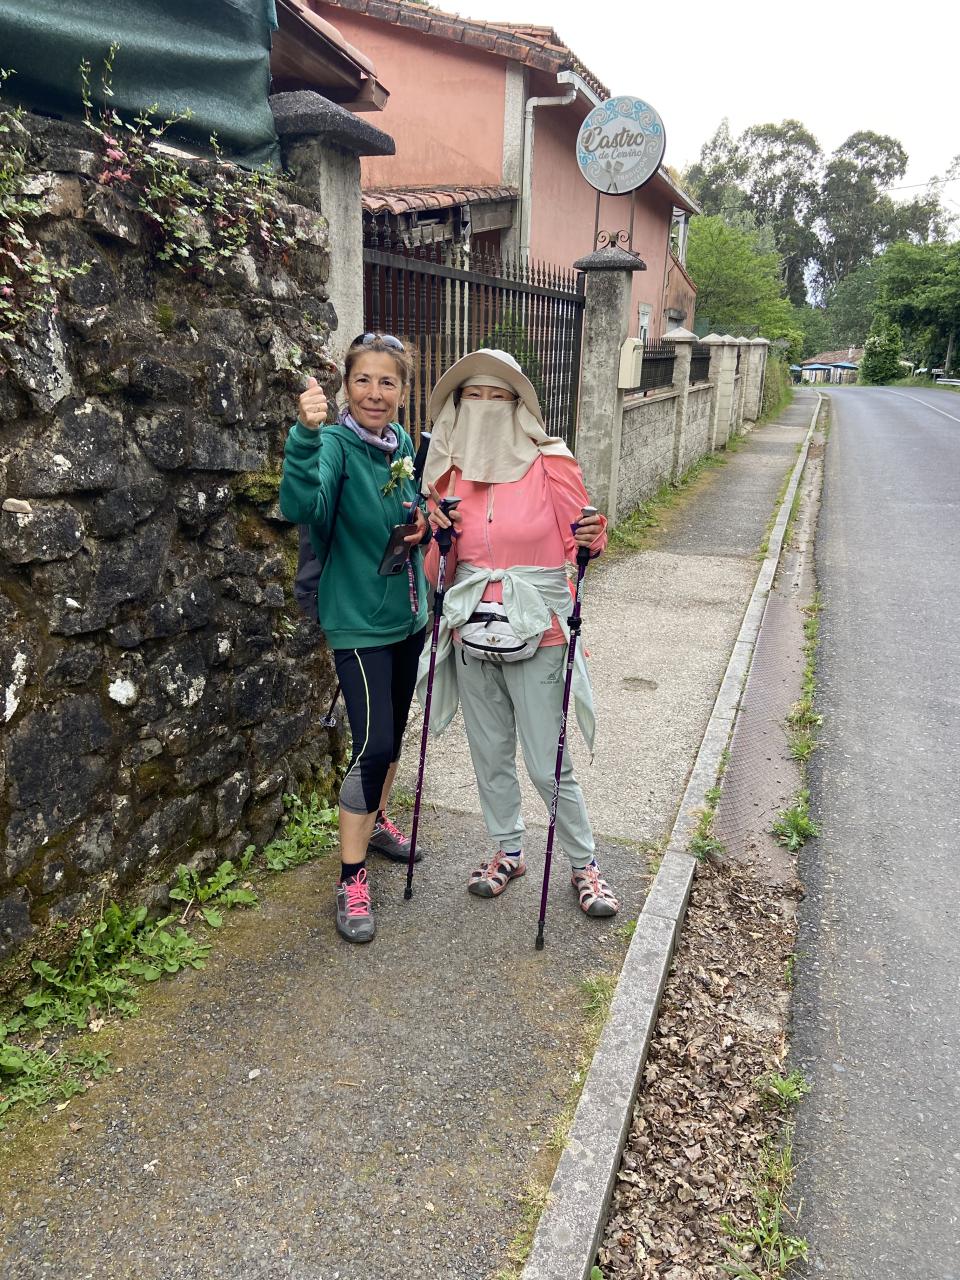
x,y
524,521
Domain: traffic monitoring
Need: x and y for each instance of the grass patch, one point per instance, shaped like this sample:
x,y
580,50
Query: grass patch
x,y
402,798
802,745
777,503
782,1092
923,382
794,826
777,392
626,931
767,1248
532,1204
122,949
598,993
801,716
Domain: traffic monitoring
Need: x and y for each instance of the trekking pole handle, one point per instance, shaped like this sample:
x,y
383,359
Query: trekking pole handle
x,y
583,553
444,537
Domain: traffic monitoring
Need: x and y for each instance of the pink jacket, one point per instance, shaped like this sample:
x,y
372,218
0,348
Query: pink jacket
x,y
526,521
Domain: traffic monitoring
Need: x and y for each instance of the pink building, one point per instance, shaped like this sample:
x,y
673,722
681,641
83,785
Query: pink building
x,y
485,118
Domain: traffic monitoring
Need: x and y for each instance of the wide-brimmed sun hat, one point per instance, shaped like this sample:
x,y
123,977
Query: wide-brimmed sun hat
x,y
492,363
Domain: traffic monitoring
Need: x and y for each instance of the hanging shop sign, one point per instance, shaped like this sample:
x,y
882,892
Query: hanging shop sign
x,y
620,145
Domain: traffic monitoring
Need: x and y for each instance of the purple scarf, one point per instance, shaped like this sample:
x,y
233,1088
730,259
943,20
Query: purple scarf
x,y
387,443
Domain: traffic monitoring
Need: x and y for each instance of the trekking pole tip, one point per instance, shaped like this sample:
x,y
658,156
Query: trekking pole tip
x,y
538,945
408,893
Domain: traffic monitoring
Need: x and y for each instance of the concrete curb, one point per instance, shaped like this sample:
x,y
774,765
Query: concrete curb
x,y
568,1234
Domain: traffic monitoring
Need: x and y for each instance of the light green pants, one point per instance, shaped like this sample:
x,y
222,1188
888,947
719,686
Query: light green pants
x,y
500,704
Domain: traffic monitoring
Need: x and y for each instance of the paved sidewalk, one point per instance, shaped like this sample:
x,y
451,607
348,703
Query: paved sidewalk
x,y
406,1091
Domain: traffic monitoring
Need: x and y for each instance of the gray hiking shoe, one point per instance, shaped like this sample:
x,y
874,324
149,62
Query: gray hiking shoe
x,y
389,840
354,914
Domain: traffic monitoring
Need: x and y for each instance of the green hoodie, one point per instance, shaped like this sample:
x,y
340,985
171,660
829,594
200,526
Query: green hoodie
x,y
357,607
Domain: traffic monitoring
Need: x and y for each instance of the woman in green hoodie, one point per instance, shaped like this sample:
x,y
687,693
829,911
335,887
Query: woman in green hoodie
x,y
352,483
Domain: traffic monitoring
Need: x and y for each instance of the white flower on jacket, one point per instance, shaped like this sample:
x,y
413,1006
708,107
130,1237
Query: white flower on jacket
x,y
400,470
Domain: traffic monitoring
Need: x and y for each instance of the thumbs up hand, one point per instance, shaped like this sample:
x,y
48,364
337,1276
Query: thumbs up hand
x,y
312,405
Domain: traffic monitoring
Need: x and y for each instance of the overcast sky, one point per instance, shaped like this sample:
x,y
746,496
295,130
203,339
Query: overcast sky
x,y
838,67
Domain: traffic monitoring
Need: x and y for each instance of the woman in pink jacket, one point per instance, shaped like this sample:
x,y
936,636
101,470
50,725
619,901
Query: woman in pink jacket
x,y
518,524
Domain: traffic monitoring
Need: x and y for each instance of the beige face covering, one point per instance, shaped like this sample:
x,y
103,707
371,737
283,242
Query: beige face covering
x,y
490,441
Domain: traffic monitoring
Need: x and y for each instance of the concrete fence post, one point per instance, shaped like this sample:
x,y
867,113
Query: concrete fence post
x,y
759,350
606,322
321,144
683,341
715,343
726,386
743,360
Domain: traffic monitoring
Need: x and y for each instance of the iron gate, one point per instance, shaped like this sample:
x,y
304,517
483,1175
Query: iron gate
x,y
446,302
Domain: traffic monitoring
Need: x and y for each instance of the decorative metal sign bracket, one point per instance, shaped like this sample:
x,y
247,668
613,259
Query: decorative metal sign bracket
x,y
615,239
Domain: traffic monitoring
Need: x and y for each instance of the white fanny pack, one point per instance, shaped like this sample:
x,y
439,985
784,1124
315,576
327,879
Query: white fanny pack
x,y
488,635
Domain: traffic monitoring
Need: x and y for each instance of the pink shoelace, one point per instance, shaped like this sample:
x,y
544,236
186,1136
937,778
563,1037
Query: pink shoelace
x,y
358,895
392,829
498,863
592,876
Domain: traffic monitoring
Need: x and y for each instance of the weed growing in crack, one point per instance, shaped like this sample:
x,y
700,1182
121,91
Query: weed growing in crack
x,y
766,1249
802,745
794,826
703,843
123,947
310,831
782,1092
626,931
211,895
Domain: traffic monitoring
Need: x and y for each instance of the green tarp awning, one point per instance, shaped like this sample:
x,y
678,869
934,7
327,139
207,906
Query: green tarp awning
x,y
211,57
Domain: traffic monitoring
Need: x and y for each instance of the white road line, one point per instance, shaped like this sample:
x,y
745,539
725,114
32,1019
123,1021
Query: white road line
x,y
904,396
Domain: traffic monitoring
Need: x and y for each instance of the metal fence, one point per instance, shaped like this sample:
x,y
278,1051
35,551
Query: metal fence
x,y
699,363
445,302
657,367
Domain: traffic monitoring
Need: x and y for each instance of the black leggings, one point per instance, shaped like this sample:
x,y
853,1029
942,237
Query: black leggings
x,y
378,685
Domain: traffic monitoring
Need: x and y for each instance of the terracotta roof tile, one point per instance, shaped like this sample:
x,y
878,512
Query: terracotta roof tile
x,y
400,200
532,45
854,354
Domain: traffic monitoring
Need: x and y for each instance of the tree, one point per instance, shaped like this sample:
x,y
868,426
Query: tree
x,y
920,290
771,174
850,305
881,354
716,180
856,219
814,324
783,171
827,217
739,289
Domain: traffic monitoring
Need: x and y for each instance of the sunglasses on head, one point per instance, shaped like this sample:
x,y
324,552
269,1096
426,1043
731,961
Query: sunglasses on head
x,y
367,339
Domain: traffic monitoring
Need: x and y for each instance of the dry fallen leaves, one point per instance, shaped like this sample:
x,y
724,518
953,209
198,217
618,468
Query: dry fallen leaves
x,y
699,1126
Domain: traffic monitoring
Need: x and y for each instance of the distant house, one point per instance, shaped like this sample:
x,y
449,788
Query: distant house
x,y
485,118
832,366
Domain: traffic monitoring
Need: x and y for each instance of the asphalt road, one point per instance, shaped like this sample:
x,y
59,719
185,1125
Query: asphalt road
x,y
877,999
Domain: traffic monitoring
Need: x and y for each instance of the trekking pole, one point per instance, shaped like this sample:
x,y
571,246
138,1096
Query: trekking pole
x,y
329,721
444,538
573,622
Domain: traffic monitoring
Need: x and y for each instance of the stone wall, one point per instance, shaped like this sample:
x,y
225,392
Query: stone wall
x,y
699,422
646,449
630,442
159,689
